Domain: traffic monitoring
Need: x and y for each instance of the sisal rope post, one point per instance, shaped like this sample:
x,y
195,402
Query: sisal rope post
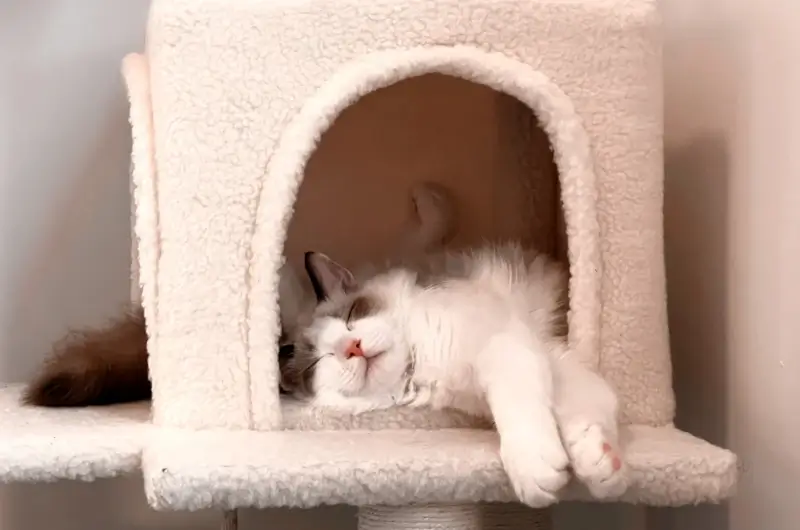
x,y
515,516
421,517
230,520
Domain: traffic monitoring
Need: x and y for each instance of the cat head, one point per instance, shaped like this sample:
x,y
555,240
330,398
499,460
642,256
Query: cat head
x,y
351,342
346,339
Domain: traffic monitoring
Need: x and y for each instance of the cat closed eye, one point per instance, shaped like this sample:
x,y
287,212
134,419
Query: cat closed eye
x,y
361,307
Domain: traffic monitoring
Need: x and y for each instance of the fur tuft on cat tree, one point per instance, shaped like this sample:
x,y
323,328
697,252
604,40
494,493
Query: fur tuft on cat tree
x,y
262,128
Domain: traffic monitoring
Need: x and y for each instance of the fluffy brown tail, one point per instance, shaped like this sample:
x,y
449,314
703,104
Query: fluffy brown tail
x,y
96,367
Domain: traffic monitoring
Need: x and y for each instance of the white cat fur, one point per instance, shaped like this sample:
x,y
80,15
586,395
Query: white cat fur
x,y
428,228
471,331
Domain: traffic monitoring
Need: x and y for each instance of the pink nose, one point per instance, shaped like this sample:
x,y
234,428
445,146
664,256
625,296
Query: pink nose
x,y
354,349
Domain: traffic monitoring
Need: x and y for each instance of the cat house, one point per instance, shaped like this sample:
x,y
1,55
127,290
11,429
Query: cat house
x,y
263,129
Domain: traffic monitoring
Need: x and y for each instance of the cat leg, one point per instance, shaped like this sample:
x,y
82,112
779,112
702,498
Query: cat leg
x,y
518,385
586,409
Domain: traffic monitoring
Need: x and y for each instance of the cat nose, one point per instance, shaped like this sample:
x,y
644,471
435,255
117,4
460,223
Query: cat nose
x,y
354,349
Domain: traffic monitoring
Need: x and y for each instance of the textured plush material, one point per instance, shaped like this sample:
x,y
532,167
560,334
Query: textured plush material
x,y
228,110
43,445
191,470
392,464
40,444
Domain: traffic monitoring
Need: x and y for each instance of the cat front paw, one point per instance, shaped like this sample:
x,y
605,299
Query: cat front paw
x,y
537,466
596,460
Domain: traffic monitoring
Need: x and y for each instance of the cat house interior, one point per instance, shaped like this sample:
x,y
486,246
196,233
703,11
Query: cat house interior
x,y
485,147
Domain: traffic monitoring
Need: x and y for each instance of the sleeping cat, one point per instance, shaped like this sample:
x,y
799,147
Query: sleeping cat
x,y
109,365
474,331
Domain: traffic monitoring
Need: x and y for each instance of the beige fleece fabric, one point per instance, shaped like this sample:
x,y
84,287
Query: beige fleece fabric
x,y
242,96
389,457
187,470
44,445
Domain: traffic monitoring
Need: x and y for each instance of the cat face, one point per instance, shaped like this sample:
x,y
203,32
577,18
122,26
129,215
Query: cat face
x,y
351,343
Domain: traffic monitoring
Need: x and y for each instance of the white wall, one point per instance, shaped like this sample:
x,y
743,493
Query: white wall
x,y
733,251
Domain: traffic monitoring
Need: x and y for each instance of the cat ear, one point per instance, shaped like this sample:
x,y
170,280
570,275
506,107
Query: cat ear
x,y
327,277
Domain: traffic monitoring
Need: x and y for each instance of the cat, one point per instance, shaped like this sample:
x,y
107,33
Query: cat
x,y
108,365
477,331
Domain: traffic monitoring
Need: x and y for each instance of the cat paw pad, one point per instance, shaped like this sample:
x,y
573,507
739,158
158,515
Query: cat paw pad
x,y
597,462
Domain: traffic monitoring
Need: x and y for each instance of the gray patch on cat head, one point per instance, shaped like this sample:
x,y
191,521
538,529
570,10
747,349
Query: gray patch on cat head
x,y
286,353
297,370
350,307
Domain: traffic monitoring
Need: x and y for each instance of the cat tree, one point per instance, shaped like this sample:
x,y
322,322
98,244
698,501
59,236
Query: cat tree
x,y
233,104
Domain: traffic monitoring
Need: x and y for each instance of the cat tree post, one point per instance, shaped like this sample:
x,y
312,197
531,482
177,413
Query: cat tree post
x,y
515,516
230,520
421,517
490,516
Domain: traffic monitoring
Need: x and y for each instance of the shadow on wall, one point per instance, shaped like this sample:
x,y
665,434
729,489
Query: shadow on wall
x,y
119,504
696,212
696,233
72,269
705,114
72,246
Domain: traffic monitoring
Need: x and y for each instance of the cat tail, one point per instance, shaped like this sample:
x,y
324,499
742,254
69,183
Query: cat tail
x,y
433,222
96,367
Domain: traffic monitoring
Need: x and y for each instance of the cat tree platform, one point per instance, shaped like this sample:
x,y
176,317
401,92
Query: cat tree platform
x,y
191,470
187,470
44,445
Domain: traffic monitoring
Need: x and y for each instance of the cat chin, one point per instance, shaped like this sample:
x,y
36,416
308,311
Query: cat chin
x,y
366,377
355,379
342,377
